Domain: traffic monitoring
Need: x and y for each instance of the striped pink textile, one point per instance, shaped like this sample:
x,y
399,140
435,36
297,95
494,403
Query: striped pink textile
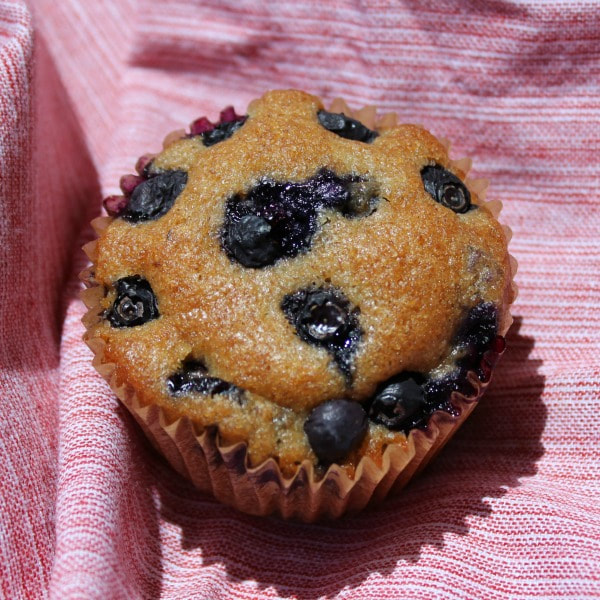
x,y
511,508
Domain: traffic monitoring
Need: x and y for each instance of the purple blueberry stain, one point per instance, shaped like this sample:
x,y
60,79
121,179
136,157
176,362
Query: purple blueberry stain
x,y
478,329
438,390
325,318
476,335
276,220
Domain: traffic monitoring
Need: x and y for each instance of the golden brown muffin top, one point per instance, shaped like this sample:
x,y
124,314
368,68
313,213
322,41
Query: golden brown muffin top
x,y
409,268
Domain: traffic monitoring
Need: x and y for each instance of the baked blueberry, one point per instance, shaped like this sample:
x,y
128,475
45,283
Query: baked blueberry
x,y
363,198
154,197
275,220
135,303
478,329
399,403
251,241
446,188
335,428
193,378
213,133
222,131
325,318
346,127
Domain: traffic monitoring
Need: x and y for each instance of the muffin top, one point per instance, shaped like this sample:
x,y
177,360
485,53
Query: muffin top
x,y
310,285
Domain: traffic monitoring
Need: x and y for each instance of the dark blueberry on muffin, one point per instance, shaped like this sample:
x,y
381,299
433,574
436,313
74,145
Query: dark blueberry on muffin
x,y
154,197
446,188
399,403
213,133
251,241
221,132
272,221
335,428
345,127
275,220
324,317
135,303
193,378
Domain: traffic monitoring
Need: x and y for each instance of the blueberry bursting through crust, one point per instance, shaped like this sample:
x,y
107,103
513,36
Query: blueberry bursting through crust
x,y
135,303
276,220
193,378
400,404
345,127
407,400
446,188
325,318
154,197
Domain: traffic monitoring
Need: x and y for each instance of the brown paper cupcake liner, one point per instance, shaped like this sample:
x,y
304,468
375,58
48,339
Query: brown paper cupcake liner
x,y
225,471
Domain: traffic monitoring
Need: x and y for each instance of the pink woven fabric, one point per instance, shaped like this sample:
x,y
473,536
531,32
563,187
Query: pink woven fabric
x,y
510,509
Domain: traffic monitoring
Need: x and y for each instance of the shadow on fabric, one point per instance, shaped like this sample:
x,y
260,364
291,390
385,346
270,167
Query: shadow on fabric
x,y
499,445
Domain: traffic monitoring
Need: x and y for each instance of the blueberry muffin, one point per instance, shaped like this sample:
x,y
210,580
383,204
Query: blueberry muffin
x,y
299,305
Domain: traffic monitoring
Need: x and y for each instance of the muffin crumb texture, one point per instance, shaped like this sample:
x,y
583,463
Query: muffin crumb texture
x,y
312,284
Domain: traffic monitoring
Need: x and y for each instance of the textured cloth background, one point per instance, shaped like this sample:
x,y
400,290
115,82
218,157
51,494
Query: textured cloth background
x,y
511,508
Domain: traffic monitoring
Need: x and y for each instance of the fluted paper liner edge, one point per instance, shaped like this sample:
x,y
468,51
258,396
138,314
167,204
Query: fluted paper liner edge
x,y
225,472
